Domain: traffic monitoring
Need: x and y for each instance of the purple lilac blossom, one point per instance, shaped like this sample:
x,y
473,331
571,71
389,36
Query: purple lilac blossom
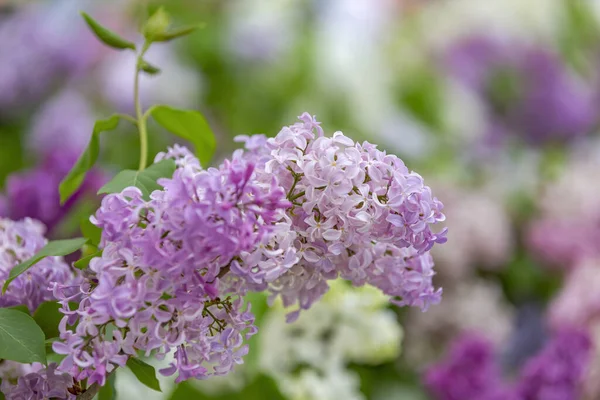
x,y
62,125
3,205
527,90
59,133
567,230
166,279
41,43
19,241
469,372
557,372
358,213
578,302
37,383
34,193
281,216
565,243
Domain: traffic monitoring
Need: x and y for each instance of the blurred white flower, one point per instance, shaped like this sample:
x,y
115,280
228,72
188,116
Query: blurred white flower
x,y
262,30
521,19
480,229
573,194
351,41
332,384
347,325
176,85
567,230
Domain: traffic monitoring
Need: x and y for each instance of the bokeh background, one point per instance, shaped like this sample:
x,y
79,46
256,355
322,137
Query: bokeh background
x,y
494,102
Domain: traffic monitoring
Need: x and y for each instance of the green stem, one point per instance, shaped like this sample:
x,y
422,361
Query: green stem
x,y
296,196
141,120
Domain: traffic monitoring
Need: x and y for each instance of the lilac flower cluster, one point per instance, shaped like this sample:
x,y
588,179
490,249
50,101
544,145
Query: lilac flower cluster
x,y
34,382
357,213
285,215
19,241
167,278
471,371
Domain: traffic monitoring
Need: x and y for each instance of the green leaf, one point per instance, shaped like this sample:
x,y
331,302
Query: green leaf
x,y
185,391
21,339
144,180
90,231
157,24
70,224
21,308
189,125
258,301
108,391
263,387
87,159
144,372
422,96
48,316
149,68
53,248
176,33
107,36
83,262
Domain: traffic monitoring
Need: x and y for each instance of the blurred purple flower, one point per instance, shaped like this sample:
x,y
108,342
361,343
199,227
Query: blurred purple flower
x,y
60,131
38,44
470,372
41,383
578,303
557,372
566,231
3,205
528,91
563,243
63,123
34,193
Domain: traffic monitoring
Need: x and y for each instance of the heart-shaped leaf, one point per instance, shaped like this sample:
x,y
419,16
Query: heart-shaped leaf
x,y
189,125
144,180
21,339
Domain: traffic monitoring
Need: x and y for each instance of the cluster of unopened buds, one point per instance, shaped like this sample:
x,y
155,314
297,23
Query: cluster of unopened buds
x,y
284,215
